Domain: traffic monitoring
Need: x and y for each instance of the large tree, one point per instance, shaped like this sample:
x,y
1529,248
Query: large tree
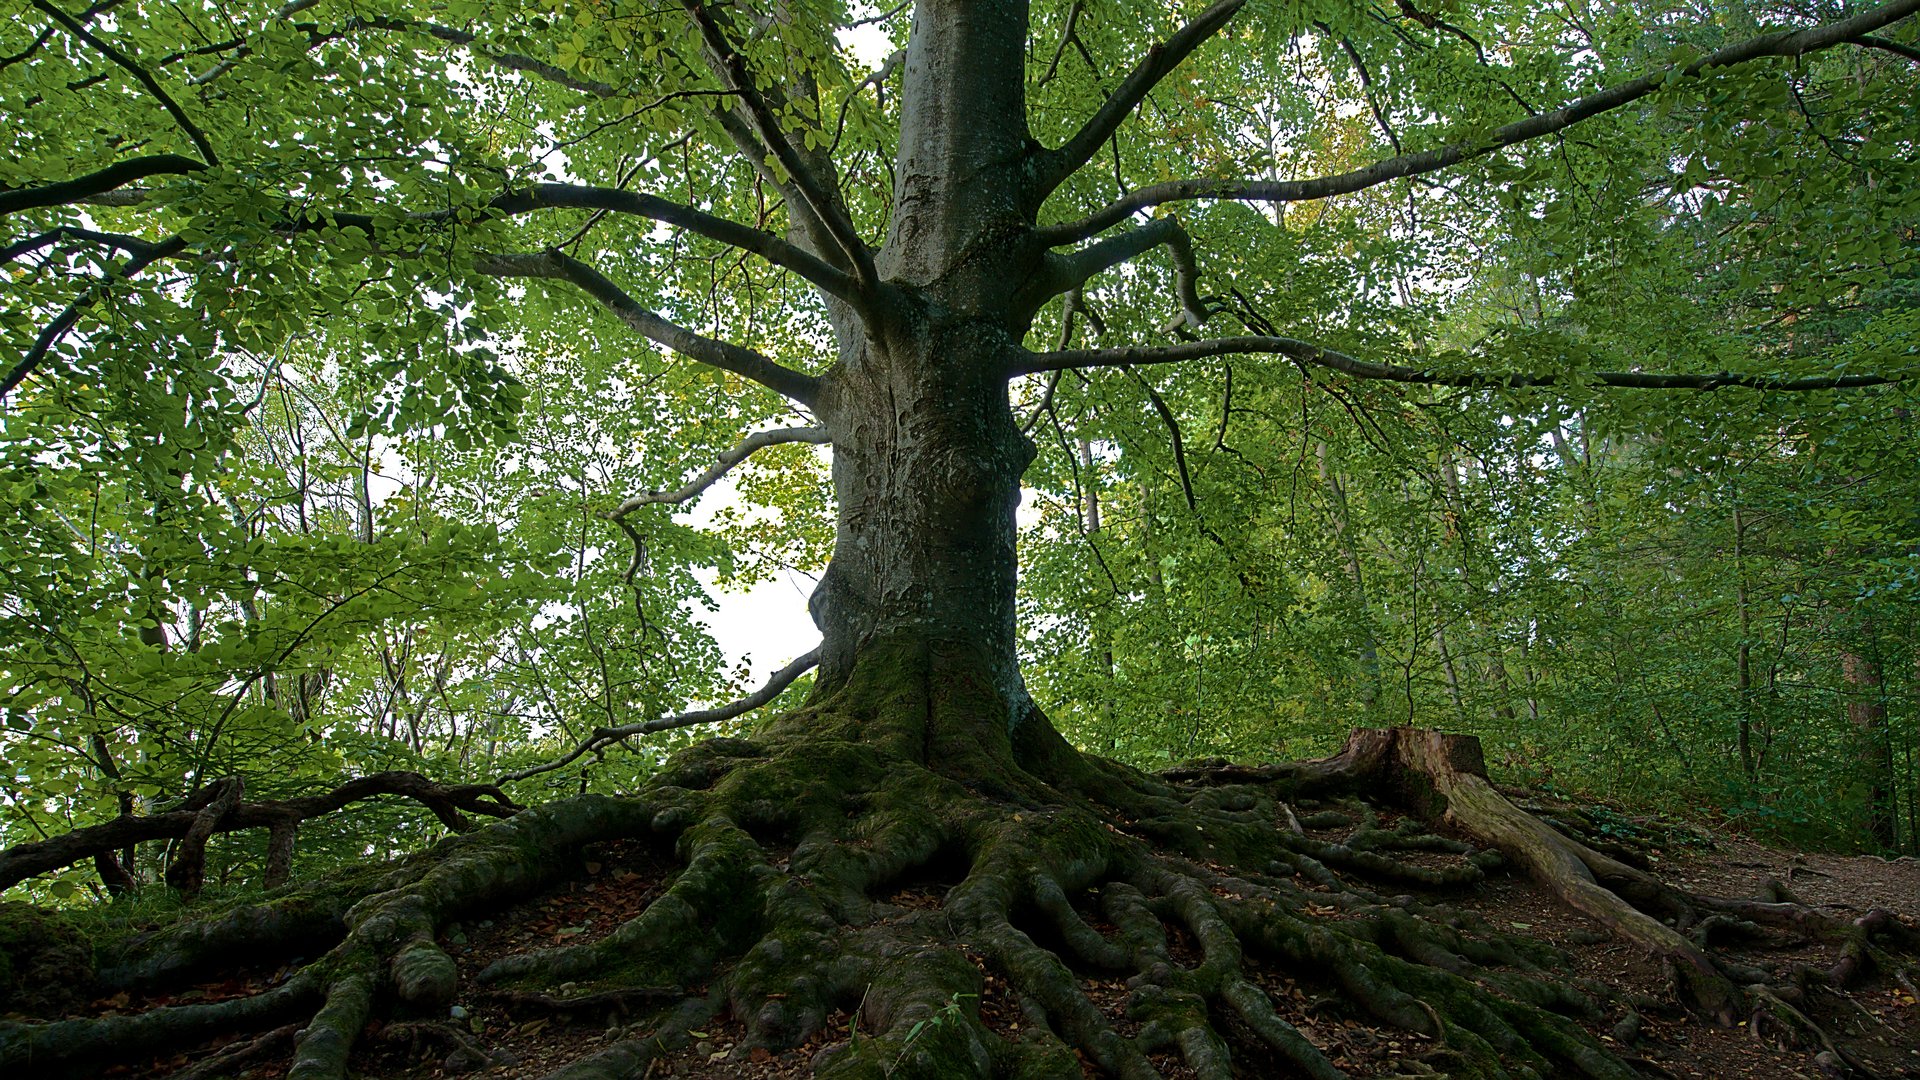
x,y
883,255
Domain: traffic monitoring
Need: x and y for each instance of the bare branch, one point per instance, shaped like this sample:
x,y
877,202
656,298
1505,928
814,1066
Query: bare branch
x,y
509,60
512,61
139,73
733,456
881,17
564,196
759,242
607,736
132,245
826,205
23,861
1060,50
1067,273
877,79
1306,352
93,184
1055,166
764,244
744,362
1897,48
1179,442
63,323
1786,43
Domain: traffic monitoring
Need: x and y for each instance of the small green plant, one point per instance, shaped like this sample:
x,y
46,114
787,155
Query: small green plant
x,y
949,1015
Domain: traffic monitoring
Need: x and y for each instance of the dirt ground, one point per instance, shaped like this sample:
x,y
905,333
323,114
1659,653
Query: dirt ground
x,y
527,1036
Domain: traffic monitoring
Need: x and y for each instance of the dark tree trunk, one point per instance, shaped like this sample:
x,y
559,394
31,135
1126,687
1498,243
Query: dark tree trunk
x,y
926,471
1867,710
916,608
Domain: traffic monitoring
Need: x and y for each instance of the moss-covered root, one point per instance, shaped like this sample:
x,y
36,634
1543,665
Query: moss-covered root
x,y
82,1048
1451,770
387,945
917,997
390,939
634,1056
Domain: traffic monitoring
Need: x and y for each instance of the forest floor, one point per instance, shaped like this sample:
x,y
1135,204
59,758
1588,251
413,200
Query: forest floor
x,y
1878,1023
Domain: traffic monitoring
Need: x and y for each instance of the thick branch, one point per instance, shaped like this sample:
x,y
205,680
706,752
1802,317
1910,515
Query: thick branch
x,y
1161,60
23,861
198,137
118,174
188,870
539,196
1783,44
759,242
607,736
1068,273
825,205
582,196
1888,45
738,453
1306,352
132,245
744,362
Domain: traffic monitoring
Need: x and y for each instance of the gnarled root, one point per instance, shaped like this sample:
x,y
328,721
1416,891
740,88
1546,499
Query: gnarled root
x,y
1067,910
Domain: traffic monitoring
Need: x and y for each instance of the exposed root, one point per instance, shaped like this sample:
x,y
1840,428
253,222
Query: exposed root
x,y
217,808
823,875
227,1062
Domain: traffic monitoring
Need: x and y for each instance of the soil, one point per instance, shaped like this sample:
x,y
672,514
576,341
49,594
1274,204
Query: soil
x,y
1877,1023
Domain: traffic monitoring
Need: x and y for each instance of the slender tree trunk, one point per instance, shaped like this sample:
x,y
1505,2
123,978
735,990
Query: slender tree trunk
x,y
1743,652
1343,537
1867,711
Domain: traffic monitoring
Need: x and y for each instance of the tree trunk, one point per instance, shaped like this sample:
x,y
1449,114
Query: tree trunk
x,y
916,608
1867,711
926,471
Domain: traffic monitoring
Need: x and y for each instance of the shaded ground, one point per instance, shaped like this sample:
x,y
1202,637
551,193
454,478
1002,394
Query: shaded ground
x,y
528,1034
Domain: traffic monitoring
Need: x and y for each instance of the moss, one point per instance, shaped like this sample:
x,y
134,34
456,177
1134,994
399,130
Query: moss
x,y
1039,1055
46,962
424,976
871,804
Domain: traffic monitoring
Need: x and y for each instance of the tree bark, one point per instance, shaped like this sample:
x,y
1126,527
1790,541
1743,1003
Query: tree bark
x,y
1867,711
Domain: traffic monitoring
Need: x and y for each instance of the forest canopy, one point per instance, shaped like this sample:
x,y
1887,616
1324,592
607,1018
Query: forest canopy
x,y
300,490
1138,382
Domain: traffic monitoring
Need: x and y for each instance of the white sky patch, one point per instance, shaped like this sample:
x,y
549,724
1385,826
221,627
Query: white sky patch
x,y
765,626
869,44
768,625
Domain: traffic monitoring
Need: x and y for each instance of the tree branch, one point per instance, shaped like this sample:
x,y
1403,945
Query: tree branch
x,y
744,362
118,174
1306,352
738,453
759,242
1897,48
198,137
23,861
132,245
1786,43
561,196
511,61
65,321
1067,273
606,736
825,205
1055,166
